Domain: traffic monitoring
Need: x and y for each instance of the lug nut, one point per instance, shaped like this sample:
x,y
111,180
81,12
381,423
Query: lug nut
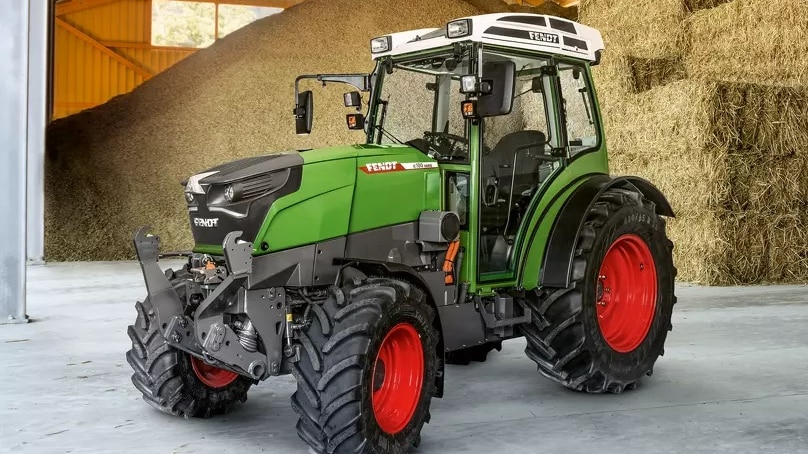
x,y
176,337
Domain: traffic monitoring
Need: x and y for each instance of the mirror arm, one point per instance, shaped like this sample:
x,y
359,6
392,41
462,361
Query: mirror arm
x,y
360,81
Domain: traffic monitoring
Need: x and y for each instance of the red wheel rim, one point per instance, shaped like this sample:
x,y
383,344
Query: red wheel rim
x,y
212,375
398,377
626,293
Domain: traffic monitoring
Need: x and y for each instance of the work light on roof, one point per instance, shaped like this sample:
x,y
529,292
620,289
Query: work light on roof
x,y
458,28
381,44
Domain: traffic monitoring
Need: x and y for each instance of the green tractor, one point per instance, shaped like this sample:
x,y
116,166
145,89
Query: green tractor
x,y
479,209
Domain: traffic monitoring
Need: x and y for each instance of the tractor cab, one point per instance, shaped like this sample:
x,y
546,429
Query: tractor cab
x,y
502,102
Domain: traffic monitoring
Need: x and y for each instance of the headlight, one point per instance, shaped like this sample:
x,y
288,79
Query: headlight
x,y
458,28
189,197
468,84
381,44
234,192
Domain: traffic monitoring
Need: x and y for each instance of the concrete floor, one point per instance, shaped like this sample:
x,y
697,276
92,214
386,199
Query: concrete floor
x,y
734,379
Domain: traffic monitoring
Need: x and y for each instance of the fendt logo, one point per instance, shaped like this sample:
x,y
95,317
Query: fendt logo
x,y
544,37
206,222
382,167
393,166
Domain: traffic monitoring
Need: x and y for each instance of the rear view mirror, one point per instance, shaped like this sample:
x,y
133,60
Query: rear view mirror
x,y
353,99
501,75
304,112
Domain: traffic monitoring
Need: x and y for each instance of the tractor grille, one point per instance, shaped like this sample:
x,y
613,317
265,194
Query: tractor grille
x,y
256,186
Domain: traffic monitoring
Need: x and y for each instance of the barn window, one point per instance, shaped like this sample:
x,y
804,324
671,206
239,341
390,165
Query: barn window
x,y
198,24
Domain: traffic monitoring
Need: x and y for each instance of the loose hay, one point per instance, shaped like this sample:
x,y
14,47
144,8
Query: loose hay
x,y
640,28
733,161
752,41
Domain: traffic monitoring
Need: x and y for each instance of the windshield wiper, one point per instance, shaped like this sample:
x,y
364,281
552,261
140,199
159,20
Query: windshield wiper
x,y
380,126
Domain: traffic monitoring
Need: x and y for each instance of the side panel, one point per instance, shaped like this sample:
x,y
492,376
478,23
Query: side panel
x,y
533,239
319,210
393,189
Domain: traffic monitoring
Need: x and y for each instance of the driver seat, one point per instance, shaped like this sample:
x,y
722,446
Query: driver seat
x,y
500,160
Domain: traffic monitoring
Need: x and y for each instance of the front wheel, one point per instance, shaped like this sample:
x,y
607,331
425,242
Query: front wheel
x,y
366,376
608,328
172,380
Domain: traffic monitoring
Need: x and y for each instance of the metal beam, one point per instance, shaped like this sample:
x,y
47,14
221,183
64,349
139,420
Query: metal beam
x,y
38,62
104,49
149,46
266,3
13,135
74,6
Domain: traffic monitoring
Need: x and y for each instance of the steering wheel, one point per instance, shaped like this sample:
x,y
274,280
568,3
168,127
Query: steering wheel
x,y
444,143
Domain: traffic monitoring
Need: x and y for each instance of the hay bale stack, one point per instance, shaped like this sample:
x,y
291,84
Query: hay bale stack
x,y
732,159
641,28
754,41
717,117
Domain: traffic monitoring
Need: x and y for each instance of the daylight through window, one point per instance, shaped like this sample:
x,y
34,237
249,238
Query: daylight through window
x,y
197,24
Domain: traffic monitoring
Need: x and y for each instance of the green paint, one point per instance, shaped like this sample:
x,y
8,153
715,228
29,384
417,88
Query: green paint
x,y
319,210
384,197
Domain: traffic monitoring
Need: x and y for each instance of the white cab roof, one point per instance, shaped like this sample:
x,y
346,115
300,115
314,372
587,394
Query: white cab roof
x,y
537,32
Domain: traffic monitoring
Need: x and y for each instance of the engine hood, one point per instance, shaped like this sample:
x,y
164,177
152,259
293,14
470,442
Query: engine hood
x,y
237,195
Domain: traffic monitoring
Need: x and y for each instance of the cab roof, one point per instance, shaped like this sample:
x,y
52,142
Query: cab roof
x,y
548,34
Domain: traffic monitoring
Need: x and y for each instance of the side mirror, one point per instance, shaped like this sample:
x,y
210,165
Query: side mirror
x,y
304,112
355,121
353,99
501,75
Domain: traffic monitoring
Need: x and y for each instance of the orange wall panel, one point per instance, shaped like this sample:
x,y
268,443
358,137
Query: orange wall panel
x,y
86,76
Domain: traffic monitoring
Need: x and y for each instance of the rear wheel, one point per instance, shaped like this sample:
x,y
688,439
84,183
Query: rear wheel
x,y
366,376
605,331
172,380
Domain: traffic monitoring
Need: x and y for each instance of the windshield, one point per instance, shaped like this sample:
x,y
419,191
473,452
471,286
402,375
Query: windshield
x,y
419,105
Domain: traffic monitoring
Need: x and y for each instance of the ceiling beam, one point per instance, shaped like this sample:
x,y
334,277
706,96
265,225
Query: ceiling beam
x,y
74,6
103,49
564,3
267,3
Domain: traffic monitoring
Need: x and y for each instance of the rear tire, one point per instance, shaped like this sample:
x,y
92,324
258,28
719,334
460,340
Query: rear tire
x,y
606,331
173,381
361,336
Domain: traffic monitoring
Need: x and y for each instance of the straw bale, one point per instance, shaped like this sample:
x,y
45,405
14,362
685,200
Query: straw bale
x,y
118,166
732,248
641,28
733,160
753,41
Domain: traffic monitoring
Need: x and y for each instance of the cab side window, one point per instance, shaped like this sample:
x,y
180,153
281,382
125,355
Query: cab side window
x,y
576,93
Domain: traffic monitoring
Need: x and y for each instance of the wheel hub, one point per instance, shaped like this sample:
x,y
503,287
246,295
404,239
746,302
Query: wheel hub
x,y
398,375
626,293
211,375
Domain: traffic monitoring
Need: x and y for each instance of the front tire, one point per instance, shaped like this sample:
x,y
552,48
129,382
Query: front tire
x,y
608,328
366,376
172,380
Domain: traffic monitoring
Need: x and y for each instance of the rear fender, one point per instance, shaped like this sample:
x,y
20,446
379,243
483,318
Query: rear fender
x,y
560,251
